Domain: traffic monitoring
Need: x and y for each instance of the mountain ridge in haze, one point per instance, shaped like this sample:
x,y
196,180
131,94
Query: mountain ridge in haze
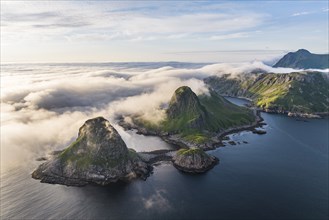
x,y
303,59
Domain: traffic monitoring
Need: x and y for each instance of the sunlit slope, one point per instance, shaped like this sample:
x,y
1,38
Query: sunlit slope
x,y
305,92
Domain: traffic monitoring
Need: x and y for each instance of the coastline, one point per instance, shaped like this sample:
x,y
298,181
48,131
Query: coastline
x,y
313,115
214,142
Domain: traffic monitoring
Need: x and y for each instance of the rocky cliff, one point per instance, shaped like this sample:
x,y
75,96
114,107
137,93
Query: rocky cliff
x,y
99,155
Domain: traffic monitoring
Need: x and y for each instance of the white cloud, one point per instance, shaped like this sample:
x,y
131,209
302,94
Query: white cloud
x,y
43,106
301,13
102,22
229,36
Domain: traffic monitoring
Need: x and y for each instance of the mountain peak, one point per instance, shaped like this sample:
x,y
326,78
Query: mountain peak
x,y
99,155
182,93
184,99
303,51
185,104
98,139
303,59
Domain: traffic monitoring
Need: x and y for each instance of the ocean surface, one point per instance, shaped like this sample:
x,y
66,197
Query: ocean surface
x,y
280,175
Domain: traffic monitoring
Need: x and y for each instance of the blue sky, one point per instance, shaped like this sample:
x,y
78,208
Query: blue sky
x,y
105,31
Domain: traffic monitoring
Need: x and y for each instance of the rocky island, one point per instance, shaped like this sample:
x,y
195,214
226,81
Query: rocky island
x,y
99,156
194,160
193,123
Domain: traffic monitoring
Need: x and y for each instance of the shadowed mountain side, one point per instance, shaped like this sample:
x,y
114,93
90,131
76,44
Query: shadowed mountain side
x,y
303,59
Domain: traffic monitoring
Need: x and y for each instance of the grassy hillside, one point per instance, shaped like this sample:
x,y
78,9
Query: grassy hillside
x,y
303,92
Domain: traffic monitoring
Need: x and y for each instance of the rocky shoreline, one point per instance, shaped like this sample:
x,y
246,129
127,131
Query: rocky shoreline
x,y
67,168
100,156
213,143
314,115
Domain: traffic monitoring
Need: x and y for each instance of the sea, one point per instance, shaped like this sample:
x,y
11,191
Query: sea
x,y
280,175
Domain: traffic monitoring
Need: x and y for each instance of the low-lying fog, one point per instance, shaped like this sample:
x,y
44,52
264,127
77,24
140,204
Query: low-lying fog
x,y
43,105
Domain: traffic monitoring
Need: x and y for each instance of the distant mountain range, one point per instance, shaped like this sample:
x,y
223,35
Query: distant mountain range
x,y
303,59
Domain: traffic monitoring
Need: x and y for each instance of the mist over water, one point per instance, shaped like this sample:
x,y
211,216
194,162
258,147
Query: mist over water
x,y
43,105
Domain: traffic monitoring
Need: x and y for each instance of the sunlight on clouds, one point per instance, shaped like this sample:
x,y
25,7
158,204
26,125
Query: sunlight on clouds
x,y
54,31
43,106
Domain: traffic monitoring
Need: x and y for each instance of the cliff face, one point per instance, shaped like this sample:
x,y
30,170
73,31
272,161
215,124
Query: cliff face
x,y
98,155
300,92
303,59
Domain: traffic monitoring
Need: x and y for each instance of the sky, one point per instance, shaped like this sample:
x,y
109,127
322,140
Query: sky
x,y
123,31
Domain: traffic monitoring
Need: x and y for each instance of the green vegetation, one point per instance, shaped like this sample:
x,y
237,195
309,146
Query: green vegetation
x,y
303,92
196,137
197,119
190,151
79,153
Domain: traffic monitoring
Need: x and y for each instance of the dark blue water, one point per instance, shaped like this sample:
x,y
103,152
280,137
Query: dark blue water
x,y
280,175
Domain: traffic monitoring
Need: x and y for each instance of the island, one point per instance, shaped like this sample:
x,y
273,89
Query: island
x,y
194,160
192,123
99,156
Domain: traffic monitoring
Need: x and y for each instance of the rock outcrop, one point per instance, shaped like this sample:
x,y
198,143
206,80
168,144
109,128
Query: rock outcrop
x,y
194,160
99,156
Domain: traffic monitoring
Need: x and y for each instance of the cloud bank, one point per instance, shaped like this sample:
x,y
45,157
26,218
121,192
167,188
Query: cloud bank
x,y
43,106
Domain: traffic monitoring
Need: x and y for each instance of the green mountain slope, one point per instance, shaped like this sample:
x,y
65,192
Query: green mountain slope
x,y
301,92
197,119
303,59
210,113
